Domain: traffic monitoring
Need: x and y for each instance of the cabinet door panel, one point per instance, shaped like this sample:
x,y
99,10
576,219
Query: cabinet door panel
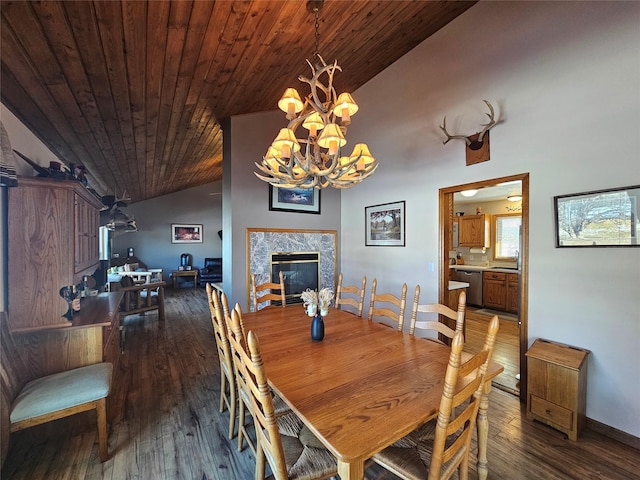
x,y
512,292
494,290
40,245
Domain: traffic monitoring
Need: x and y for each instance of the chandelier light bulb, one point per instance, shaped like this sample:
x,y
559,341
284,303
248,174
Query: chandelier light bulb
x,y
331,138
286,143
345,107
290,102
313,123
362,153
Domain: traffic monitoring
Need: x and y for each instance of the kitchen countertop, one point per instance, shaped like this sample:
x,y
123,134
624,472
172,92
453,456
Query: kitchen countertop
x,y
481,268
455,285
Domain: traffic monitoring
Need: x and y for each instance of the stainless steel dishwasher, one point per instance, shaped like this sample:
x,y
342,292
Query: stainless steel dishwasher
x,y
474,291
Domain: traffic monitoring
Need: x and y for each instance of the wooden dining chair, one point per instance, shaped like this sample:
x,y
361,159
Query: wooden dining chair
x,y
238,344
228,386
419,324
267,292
380,307
284,442
440,447
355,298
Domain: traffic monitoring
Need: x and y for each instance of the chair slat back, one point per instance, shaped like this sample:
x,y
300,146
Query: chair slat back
x,y
251,369
355,298
422,324
238,348
220,332
388,306
458,411
267,292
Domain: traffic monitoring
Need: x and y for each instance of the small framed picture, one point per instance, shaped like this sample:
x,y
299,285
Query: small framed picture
x,y
385,225
301,200
602,218
186,233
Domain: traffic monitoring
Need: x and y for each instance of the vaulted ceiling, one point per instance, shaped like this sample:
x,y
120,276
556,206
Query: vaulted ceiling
x,y
135,90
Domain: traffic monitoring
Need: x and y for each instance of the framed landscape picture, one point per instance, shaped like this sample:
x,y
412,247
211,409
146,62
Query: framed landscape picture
x,y
186,233
302,200
602,218
385,225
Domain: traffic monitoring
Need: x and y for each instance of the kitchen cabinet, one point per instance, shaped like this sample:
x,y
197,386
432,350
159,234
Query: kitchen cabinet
x,y
513,292
53,242
557,386
494,290
474,231
500,291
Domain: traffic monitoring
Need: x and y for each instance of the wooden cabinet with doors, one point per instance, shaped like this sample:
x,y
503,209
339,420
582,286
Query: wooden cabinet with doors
x,y
557,386
513,292
500,291
474,231
53,241
494,290
87,221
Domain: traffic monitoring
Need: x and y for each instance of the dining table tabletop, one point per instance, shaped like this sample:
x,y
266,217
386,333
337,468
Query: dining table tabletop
x,y
361,388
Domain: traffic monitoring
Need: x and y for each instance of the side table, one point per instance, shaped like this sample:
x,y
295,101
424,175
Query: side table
x,y
185,273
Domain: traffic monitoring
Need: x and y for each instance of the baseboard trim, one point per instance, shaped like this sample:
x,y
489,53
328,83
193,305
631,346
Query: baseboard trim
x,y
614,433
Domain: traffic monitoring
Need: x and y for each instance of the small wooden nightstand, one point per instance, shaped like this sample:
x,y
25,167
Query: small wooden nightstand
x,y
557,386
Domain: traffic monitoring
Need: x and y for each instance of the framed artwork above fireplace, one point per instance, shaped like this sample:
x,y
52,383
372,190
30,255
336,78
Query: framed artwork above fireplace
x,y
301,200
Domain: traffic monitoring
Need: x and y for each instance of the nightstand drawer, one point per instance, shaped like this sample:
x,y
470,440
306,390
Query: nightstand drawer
x,y
555,414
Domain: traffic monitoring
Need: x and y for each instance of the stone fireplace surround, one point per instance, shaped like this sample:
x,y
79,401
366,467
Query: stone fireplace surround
x,y
261,242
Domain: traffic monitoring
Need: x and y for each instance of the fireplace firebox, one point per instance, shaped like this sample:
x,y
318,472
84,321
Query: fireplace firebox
x,y
300,271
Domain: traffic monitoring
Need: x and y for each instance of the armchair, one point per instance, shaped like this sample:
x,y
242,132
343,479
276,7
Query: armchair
x,y
211,272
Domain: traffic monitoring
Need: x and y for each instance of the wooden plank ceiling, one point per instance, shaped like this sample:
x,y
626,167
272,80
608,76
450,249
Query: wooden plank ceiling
x,y
135,90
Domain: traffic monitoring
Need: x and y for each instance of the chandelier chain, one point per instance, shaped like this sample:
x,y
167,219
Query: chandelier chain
x,y
316,54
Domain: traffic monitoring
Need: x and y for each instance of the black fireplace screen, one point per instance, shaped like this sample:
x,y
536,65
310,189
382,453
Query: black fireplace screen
x,y
300,271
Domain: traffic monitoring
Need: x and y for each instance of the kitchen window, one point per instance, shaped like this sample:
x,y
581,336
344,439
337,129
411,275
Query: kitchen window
x,y
506,236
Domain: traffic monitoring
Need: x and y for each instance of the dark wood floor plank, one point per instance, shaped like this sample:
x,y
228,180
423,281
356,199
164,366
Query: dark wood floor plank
x,y
166,423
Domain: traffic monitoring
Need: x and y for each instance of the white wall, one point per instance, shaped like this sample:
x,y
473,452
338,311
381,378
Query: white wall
x,y
565,79
152,241
246,198
26,143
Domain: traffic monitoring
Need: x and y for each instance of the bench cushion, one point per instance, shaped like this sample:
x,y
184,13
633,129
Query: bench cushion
x,y
62,390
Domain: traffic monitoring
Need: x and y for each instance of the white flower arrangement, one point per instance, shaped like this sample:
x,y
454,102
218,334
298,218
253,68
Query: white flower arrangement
x,y
314,301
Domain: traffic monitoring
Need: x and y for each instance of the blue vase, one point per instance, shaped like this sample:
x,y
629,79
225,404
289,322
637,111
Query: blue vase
x,y
317,328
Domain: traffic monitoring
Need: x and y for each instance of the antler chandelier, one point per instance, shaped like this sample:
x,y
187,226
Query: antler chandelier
x,y
316,161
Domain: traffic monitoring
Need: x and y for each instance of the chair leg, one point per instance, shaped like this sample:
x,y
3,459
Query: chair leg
x,y
241,423
223,389
101,410
233,403
260,462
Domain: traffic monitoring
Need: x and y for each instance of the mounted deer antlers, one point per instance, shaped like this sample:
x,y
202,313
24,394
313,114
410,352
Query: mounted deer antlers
x,y
477,148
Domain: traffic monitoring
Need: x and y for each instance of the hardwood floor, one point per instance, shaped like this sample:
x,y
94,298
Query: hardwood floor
x,y
507,348
167,424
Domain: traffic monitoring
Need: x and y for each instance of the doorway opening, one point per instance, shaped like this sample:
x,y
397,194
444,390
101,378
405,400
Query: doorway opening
x,y
505,270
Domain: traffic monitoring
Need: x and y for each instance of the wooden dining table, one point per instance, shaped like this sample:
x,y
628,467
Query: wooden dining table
x,y
361,388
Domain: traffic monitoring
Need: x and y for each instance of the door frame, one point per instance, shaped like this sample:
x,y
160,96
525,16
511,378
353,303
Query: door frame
x,y
445,200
